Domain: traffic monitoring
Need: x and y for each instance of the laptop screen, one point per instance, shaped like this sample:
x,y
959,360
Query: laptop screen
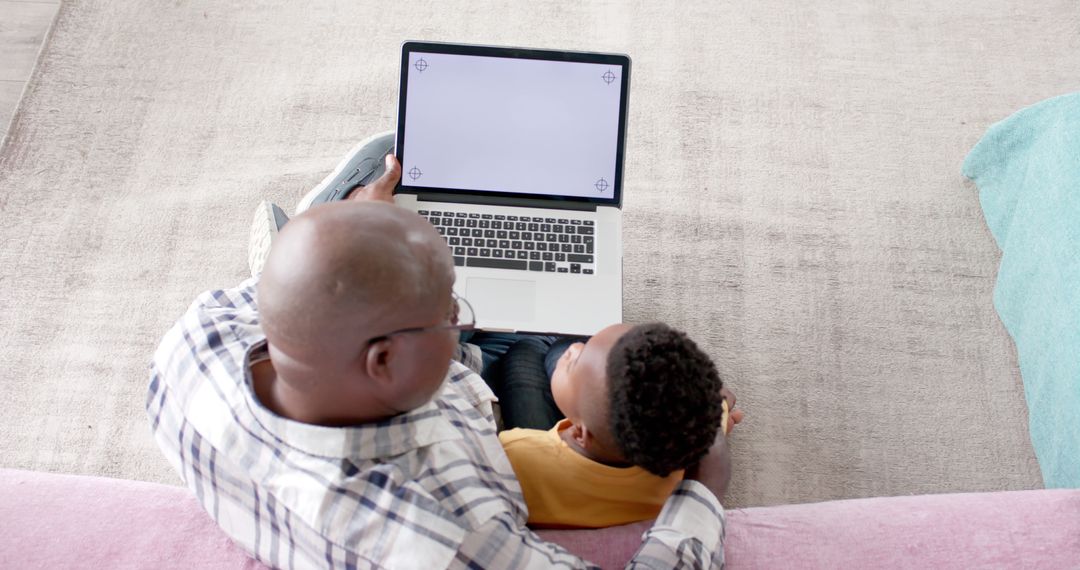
x,y
496,122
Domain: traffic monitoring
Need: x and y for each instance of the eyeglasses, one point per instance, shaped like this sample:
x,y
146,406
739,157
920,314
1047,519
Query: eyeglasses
x,y
461,317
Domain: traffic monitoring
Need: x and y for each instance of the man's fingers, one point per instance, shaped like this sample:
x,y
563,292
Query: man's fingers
x,y
393,170
383,188
390,178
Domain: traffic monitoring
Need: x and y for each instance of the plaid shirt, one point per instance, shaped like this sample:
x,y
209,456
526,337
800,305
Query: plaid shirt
x,y
431,488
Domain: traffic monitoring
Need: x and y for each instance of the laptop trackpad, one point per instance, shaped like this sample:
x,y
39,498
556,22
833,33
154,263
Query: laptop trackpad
x,y
502,299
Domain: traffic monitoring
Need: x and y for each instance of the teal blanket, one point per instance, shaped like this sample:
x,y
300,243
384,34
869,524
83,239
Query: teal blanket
x,y
1027,169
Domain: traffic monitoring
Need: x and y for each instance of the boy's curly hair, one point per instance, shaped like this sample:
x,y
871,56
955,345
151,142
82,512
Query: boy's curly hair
x,y
665,398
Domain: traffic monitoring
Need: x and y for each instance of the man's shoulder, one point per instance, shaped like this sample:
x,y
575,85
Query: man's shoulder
x,y
219,325
233,309
463,382
197,374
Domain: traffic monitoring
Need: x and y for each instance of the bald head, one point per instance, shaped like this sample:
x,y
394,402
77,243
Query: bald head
x,y
344,272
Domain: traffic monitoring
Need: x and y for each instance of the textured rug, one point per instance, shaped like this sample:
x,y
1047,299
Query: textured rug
x,y
794,201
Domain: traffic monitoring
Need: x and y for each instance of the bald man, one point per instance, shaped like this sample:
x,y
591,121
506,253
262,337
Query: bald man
x,y
317,414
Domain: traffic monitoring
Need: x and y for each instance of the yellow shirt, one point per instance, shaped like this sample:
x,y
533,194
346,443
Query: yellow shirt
x,y
564,489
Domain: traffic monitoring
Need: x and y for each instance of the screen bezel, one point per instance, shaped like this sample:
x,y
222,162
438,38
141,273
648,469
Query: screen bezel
x,y
623,61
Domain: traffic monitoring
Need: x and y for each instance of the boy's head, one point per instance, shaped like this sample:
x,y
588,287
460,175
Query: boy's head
x,y
645,395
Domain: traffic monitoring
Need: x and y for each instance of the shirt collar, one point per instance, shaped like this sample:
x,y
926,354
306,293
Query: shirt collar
x,y
400,434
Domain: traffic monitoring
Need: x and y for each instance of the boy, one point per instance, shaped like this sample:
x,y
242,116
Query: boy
x,y
642,403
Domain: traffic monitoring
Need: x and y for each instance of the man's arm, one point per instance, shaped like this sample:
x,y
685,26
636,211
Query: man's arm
x,y
689,533
690,529
692,513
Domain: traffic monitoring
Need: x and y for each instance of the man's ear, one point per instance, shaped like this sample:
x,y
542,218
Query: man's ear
x,y
377,362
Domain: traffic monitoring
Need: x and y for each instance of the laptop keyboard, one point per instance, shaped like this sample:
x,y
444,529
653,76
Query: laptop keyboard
x,y
526,243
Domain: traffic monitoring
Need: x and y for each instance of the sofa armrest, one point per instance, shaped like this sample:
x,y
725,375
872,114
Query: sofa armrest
x,y
61,521
1016,529
71,521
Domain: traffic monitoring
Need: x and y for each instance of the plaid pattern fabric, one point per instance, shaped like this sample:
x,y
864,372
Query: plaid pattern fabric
x,y
431,488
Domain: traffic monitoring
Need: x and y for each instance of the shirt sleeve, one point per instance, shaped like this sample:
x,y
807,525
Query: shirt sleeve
x,y
503,544
689,533
469,355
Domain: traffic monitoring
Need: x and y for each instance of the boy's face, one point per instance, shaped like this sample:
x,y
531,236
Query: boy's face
x,y
579,383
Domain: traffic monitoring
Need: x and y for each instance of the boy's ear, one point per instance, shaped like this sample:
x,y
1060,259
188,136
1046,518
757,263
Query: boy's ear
x,y
377,362
581,436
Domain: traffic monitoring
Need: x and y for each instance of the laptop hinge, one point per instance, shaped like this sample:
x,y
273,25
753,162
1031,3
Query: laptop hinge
x,y
505,201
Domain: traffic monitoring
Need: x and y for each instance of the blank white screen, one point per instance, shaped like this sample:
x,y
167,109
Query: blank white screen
x,y
511,125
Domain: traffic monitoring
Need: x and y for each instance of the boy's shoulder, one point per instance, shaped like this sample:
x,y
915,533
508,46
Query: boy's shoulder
x,y
520,437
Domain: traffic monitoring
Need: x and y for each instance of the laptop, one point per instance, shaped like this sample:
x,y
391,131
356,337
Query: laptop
x,y
516,157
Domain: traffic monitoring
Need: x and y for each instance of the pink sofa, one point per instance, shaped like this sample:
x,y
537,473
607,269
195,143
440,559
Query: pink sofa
x,y
63,521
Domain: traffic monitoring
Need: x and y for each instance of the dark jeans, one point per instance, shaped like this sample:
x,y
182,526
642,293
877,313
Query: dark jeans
x,y
518,369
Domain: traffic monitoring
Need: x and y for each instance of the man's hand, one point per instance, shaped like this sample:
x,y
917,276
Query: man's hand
x,y
383,188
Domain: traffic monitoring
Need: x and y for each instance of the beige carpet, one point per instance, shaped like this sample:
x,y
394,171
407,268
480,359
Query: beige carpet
x,y
793,201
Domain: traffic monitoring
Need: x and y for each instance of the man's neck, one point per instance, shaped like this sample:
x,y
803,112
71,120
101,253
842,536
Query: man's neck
x,y
280,397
